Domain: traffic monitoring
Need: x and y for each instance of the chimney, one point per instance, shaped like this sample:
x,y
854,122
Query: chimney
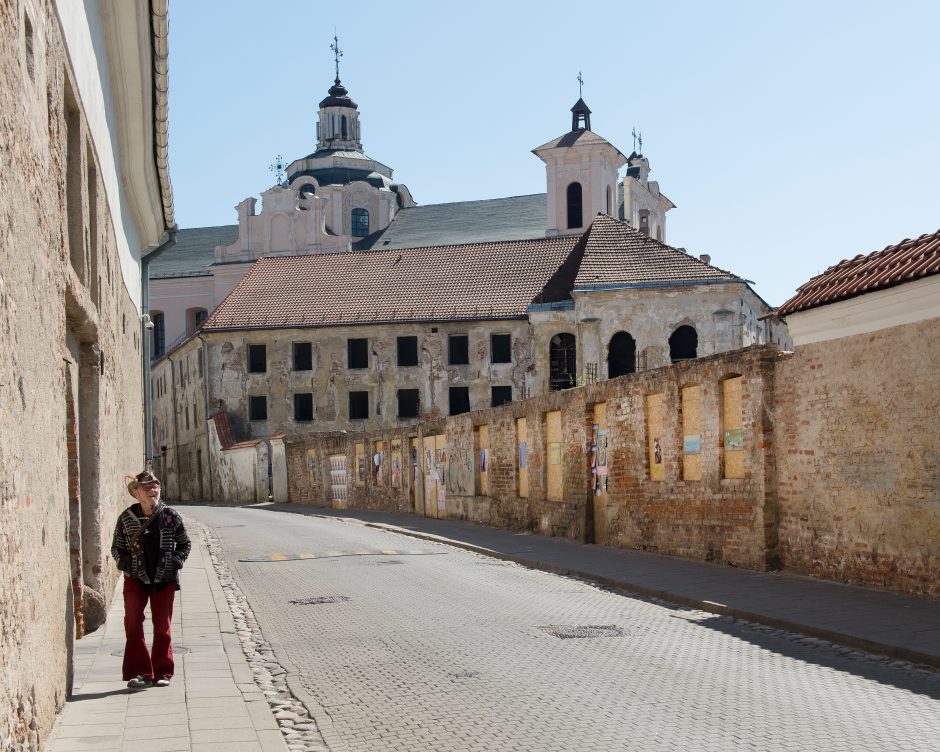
x,y
705,258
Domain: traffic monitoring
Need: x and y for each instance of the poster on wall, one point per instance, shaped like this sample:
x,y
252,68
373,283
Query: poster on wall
x,y
522,457
734,438
554,453
360,468
598,460
396,469
483,459
657,468
692,443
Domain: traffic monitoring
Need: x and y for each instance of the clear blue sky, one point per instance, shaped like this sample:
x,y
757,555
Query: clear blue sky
x,y
789,135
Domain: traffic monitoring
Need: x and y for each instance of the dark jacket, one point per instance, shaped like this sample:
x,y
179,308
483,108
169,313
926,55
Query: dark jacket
x,y
174,546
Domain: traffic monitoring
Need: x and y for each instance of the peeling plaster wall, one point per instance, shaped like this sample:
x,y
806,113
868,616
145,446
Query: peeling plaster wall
x,y
71,394
235,471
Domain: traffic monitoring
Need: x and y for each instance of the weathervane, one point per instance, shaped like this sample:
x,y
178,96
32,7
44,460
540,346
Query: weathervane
x,y
580,84
337,52
278,168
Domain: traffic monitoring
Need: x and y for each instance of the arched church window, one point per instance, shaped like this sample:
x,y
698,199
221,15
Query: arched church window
x,y
343,127
621,355
610,202
360,223
562,362
645,221
574,206
683,344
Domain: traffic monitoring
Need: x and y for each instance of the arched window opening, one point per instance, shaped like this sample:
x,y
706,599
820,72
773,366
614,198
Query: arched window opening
x,y
683,344
621,355
610,202
562,362
659,232
343,127
360,223
645,221
194,318
574,206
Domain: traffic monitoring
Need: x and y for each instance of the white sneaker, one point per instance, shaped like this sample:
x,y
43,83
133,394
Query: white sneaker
x,y
138,682
163,681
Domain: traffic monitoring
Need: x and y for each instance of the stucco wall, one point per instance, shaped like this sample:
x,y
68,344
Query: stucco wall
x,y
858,421
71,372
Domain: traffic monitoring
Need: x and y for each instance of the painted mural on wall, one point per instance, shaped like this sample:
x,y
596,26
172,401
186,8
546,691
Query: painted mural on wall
x,y
657,468
396,463
692,444
460,472
338,488
599,470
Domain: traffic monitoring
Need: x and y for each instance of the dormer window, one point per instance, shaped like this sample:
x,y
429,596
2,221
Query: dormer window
x,y
360,223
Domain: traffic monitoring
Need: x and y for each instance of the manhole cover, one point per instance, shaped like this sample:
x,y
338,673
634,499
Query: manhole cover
x,y
318,599
566,632
177,650
467,675
389,561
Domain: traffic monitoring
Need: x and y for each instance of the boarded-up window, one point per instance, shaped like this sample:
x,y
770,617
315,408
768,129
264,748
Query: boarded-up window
x,y
654,436
395,464
555,467
732,427
378,462
692,432
360,469
481,444
522,459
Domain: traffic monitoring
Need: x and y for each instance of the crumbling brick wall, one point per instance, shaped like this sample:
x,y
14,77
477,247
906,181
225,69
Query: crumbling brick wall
x,y
716,518
858,458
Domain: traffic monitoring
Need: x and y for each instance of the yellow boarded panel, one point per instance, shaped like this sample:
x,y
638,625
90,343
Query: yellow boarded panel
x,y
430,478
482,446
655,437
692,432
394,467
313,481
522,459
555,466
732,427
414,461
600,462
440,447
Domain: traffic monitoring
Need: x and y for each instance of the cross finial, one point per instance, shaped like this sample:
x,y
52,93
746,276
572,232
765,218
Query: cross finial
x,y
580,84
337,52
639,138
278,168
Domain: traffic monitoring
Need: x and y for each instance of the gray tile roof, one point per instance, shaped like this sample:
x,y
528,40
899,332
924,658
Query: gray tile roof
x,y
513,218
193,252
469,282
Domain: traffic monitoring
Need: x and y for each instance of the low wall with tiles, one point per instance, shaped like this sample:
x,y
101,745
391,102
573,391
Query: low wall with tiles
x,y
677,460
858,426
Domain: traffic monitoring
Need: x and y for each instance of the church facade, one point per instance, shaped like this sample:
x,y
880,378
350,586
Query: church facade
x,y
344,305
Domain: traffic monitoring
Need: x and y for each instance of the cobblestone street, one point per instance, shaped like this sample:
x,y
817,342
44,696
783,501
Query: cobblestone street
x,y
428,647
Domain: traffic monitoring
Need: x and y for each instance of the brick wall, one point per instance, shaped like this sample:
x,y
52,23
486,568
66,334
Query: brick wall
x,y
859,459
729,520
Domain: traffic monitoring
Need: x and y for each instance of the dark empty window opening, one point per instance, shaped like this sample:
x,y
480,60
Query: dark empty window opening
x,y
201,315
574,206
257,358
459,400
562,362
258,407
409,403
357,351
407,351
621,355
159,335
645,221
683,344
303,356
358,405
343,127
303,407
458,350
610,202
360,223
501,348
500,395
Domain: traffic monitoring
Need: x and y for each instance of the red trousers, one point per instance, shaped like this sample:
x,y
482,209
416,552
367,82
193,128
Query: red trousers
x,y
138,661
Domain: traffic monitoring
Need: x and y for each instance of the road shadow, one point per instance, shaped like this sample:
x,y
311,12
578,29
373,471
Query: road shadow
x,y
81,696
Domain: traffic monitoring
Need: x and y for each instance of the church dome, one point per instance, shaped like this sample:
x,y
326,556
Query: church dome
x,y
338,97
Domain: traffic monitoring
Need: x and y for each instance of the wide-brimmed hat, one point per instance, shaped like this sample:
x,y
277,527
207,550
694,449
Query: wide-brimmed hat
x,y
146,478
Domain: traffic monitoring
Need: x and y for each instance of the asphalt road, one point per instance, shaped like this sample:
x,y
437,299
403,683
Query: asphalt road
x,y
410,645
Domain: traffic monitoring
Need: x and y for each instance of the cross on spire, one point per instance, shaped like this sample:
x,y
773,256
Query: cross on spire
x,y
337,52
637,137
278,168
580,84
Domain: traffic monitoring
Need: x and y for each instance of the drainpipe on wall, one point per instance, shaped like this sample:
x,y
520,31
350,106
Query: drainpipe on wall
x,y
176,435
146,327
205,386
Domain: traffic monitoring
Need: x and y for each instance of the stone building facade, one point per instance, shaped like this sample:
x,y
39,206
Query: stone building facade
x,y
83,194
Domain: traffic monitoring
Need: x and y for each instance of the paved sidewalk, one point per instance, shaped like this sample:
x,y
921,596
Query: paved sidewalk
x,y
877,621
213,704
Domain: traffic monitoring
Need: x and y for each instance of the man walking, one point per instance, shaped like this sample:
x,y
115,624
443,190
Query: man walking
x,y
150,545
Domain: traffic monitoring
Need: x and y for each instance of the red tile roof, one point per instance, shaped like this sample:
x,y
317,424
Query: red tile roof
x,y
474,281
617,254
894,265
223,427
